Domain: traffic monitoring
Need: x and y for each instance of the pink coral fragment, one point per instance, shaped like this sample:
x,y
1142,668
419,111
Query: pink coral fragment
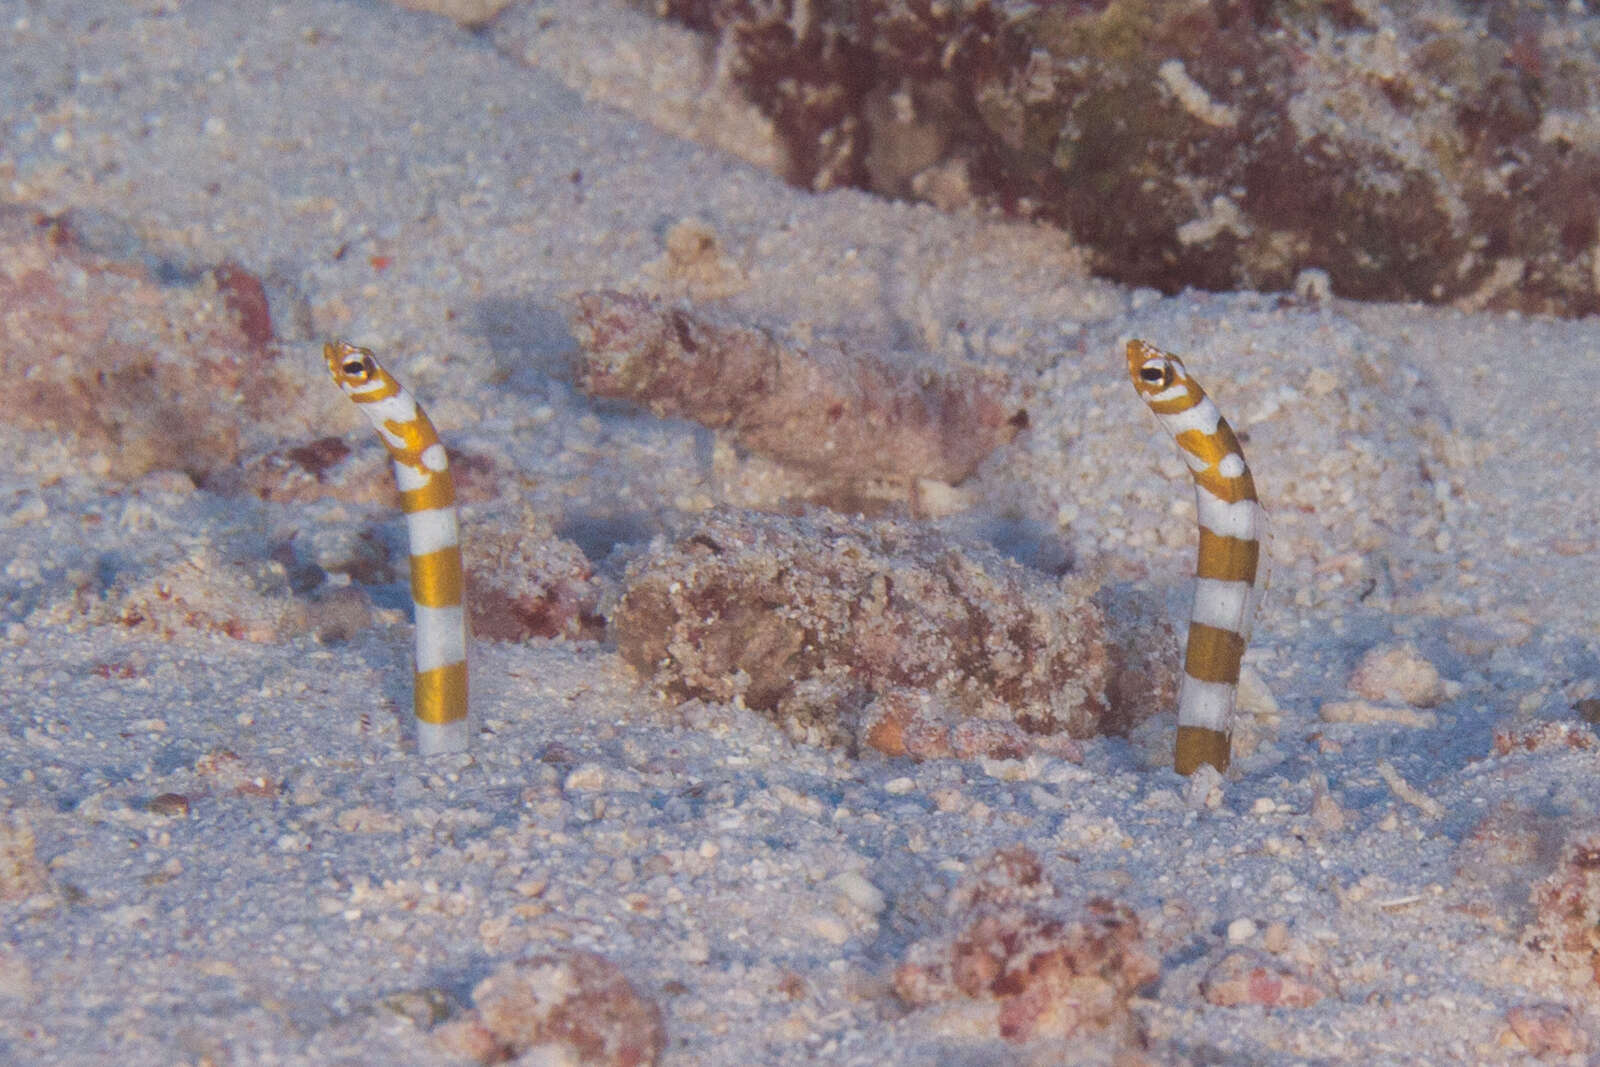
x,y
1049,976
1246,977
575,1006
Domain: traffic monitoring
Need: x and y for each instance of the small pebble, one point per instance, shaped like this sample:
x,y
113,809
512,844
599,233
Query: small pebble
x,y
174,805
829,928
1204,789
1255,698
588,778
1326,814
1547,1029
1325,811
1365,712
1398,673
855,888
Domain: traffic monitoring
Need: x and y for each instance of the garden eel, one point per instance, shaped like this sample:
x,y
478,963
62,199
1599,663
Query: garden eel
x,y
1230,569
428,498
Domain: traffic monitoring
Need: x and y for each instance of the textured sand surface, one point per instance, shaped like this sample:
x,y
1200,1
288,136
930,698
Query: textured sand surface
x,y
216,842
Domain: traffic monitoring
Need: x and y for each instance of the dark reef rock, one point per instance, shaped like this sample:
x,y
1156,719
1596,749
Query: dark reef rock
x,y
1447,152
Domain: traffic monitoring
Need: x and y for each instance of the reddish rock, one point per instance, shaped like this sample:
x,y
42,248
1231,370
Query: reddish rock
x,y
571,1003
1547,1029
1007,878
317,457
246,300
225,771
1542,736
1246,977
523,582
1566,921
904,722
1050,976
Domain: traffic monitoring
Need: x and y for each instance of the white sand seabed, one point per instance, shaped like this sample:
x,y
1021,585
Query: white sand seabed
x,y
1429,475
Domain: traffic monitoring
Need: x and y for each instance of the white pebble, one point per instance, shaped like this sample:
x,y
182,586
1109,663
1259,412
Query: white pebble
x,y
1204,788
587,778
829,928
1255,698
1361,711
855,888
1398,673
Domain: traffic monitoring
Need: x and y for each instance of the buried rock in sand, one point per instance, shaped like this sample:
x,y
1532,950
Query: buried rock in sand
x,y
887,634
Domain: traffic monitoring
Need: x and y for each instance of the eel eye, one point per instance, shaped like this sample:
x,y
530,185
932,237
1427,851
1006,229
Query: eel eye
x,y
357,368
1155,374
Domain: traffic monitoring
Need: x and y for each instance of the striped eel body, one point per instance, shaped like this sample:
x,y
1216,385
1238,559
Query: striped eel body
x,y
1230,569
428,497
